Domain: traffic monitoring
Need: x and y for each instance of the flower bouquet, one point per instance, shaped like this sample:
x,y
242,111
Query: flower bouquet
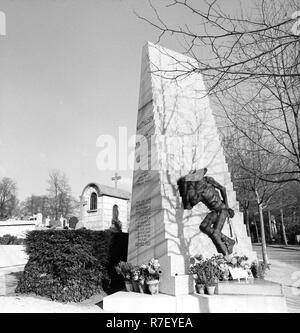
x,y
135,274
207,273
125,269
239,268
151,273
196,269
213,274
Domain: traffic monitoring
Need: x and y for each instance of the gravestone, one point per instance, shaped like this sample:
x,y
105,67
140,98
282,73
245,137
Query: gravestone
x,y
62,221
55,224
73,222
47,221
39,219
176,132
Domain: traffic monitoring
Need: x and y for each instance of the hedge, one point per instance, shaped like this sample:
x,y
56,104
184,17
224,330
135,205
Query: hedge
x,y
11,240
292,230
72,265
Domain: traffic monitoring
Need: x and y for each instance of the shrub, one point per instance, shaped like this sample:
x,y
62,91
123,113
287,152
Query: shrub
x,y
292,230
11,240
125,269
206,271
69,265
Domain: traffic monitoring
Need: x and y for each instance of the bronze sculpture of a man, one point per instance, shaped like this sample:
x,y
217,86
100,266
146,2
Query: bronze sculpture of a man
x,y
195,187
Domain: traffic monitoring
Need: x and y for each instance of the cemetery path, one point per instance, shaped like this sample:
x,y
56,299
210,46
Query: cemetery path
x,y
16,303
27,304
285,269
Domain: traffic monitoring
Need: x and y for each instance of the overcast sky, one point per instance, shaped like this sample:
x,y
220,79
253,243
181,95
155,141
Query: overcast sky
x,y
69,72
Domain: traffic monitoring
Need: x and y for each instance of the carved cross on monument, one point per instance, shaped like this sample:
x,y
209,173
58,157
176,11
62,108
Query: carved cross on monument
x,y
115,179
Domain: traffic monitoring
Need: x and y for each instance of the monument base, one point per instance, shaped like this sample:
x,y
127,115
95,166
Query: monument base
x,y
233,297
177,285
249,287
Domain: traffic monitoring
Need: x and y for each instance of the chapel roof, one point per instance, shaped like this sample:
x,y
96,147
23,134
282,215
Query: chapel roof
x,y
109,191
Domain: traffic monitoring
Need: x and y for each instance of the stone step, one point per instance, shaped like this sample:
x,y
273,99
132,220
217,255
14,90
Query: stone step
x,y
250,287
232,304
122,302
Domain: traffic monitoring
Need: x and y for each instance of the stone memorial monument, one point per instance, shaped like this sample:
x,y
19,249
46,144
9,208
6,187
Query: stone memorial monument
x,y
183,202
176,133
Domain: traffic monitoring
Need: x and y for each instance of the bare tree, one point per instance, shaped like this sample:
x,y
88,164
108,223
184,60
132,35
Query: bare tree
x,y
241,44
61,200
252,71
36,204
8,199
243,156
282,202
242,185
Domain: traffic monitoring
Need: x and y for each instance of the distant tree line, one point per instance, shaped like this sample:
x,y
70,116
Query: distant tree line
x,y
57,202
8,197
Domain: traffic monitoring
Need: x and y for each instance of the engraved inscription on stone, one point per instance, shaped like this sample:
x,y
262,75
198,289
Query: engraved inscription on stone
x,y
147,130
145,122
142,215
143,177
144,232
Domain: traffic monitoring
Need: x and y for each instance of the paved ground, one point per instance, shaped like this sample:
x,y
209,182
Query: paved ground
x,y
285,269
35,304
14,303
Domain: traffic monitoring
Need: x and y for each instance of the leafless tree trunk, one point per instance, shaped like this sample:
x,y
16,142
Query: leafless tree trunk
x,y
270,226
243,155
283,227
247,222
262,230
257,233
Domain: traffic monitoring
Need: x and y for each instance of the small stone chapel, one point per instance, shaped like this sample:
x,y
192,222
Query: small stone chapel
x,y
100,204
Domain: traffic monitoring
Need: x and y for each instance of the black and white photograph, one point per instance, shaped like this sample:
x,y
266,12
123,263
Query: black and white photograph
x,y
149,159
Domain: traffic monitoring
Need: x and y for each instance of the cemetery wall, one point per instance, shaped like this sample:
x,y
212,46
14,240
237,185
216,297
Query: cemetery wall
x,y
17,228
12,255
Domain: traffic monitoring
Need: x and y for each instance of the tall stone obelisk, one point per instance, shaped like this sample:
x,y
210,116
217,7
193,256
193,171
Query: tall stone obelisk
x,y
176,132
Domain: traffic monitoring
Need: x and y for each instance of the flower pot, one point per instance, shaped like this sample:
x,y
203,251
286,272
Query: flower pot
x,y
153,286
135,286
200,288
142,287
128,285
210,290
